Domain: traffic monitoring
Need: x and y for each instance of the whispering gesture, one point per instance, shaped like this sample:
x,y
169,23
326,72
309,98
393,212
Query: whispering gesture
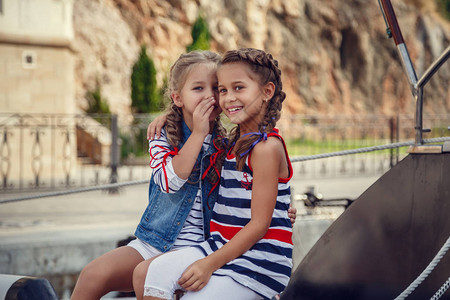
x,y
201,115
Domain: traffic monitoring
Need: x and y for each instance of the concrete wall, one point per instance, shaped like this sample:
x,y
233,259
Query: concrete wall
x,y
60,256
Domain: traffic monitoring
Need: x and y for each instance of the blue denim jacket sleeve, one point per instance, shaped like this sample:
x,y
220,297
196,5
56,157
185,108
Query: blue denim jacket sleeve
x,y
166,213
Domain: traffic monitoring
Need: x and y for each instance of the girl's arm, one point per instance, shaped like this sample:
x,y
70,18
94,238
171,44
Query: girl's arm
x,y
172,170
161,164
264,194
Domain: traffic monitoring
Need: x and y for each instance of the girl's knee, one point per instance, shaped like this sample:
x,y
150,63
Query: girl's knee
x,y
88,274
89,284
139,275
92,277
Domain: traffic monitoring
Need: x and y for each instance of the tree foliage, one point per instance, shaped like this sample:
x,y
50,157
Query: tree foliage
x,y
97,104
145,96
444,8
200,35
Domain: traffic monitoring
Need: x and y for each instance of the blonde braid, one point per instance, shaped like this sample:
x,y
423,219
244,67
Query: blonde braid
x,y
173,124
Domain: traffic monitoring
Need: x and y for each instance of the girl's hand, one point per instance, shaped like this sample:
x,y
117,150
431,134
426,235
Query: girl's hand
x,y
196,276
155,127
201,115
292,213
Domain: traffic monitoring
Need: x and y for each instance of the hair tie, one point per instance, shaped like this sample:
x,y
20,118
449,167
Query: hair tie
x,y
262,136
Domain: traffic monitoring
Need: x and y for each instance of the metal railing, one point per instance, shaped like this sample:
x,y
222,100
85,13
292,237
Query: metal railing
x,y
314,135
56,152
60,151
417,84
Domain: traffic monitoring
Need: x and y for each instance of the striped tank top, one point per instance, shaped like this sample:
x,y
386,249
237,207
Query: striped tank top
x,y
266,267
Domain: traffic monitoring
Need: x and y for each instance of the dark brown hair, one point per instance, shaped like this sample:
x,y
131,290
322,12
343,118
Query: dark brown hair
x,y
265,69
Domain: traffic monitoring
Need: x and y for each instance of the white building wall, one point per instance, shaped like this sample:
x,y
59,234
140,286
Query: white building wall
x,y
36,59
36,77
37,19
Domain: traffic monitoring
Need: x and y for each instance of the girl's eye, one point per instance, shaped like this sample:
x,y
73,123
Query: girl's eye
x,y
222,90
198,88
238,87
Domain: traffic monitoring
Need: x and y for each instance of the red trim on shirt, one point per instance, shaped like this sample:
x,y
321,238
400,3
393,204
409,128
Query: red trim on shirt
x,y
228,232
230,154
163,162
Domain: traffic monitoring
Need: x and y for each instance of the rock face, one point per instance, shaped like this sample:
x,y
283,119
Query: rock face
x,y
335,57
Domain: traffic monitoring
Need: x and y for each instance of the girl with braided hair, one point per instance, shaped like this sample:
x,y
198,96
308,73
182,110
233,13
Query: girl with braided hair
x,y
249,252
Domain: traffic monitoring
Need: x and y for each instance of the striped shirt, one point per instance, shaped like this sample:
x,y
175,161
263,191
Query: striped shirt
x,y
266,267
161,154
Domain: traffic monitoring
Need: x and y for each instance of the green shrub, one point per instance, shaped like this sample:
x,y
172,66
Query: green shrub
x,y
97,104
444,8
200,35
145,96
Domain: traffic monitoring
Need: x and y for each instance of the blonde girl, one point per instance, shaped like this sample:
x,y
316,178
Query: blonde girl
x,y
183,188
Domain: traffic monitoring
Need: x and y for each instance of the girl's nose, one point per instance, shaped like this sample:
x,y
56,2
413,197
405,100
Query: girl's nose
x,y
231,97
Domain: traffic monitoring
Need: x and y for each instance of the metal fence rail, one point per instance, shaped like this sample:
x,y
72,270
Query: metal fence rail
x,y
40,152
112,187
60,151
316,135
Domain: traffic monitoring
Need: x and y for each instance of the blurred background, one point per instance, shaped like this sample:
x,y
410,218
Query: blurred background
x,y
80,80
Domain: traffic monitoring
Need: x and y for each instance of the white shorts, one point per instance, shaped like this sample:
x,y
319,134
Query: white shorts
x,y
145,250
164,272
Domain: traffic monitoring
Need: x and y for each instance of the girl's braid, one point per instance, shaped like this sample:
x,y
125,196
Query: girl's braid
x,y
274,105
264,65
173,124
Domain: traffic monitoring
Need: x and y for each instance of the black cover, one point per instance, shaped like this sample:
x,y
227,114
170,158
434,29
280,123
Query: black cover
x,y
30,288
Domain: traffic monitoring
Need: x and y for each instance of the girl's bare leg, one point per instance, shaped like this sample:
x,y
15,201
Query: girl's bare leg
x,y
113,271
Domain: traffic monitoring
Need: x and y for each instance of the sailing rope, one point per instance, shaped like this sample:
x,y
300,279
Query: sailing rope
x,y
369,149
73,191
442,290
427,272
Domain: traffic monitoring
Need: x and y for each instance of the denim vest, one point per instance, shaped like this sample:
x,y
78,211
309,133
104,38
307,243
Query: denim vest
x,y
166,213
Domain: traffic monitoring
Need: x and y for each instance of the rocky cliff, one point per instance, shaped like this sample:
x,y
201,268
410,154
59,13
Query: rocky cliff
x,y
334,54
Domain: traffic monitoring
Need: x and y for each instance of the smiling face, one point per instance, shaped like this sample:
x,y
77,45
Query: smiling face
x,y
200,83
241,96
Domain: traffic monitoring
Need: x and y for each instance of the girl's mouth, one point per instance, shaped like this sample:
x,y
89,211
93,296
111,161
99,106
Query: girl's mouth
x,y
234,109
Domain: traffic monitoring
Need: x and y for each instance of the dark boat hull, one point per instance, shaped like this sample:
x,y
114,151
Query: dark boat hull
x,y
385,239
